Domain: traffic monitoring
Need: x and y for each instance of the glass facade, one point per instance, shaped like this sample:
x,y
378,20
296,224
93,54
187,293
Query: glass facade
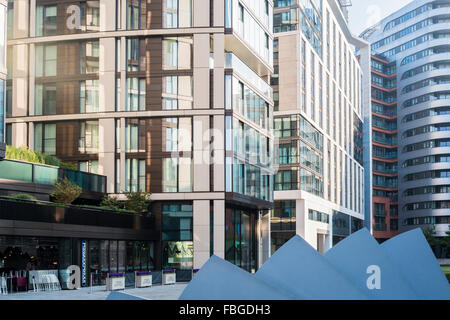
x,y
177,236
60,18
301,146
2,111
240,238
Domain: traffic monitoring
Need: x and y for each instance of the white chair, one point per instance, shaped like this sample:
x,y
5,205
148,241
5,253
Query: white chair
x,y
53,279
3,285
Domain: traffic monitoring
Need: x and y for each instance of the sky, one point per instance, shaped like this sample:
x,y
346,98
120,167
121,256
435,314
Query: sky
x,y
366,13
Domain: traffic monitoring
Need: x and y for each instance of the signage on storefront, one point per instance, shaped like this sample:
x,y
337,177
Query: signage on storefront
x,y
83,263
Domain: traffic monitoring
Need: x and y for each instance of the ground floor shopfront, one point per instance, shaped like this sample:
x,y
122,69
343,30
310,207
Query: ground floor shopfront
x,y
45,237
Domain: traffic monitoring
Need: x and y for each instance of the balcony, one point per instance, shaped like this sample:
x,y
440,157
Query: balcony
x,y
49,175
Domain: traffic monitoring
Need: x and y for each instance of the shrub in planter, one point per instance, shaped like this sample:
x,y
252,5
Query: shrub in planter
x,y
66,192
22,196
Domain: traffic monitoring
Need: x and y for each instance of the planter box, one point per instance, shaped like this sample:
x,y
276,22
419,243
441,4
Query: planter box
x,y
144,280
115,283
169,277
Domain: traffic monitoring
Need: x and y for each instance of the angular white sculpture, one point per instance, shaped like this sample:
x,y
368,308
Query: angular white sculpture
x,y
412,256
358,268
362,259
299,269
220,280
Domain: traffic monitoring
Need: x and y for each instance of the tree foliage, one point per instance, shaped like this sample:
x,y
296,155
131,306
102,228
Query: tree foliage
x,y
24,154
136,202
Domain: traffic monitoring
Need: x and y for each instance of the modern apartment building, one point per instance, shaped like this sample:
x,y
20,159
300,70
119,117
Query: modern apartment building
x,y
171,97
416,40
319,112
384,149
3,16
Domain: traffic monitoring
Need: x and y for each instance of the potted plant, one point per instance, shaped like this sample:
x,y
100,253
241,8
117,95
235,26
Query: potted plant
x,y
169,276
143,279
115,281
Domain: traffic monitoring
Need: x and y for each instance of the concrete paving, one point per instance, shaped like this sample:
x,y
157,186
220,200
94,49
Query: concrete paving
x,y
157,292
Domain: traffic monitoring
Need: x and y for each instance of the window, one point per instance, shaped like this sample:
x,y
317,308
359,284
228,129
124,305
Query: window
x,y
88,137
134,14
89,57
177,93
136,93
177,13
45,99
2,110
177,53
177,175
284,216
90,166
89,96
286,180
135,175
135,58
46,60
46,20
45,138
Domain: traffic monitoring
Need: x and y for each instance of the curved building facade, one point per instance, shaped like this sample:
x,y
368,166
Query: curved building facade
x,y
416,38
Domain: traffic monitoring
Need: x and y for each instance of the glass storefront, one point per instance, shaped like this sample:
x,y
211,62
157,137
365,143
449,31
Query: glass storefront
x,y
103,256
34,253
177,236
240,238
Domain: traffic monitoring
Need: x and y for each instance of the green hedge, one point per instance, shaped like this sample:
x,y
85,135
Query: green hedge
x,y
24,154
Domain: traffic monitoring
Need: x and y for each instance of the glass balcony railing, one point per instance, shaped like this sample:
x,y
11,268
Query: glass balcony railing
x,y
44,174
233,62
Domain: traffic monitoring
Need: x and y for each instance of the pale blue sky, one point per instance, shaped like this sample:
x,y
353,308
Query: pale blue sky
x,y
365,13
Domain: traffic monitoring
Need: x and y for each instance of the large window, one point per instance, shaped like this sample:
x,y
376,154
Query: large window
x,y
177,175
240,238
177,93
2,110
177,13
89,100
136,88
46,20
45,138
2,36
286,180
88,137
136,14
46,60
45,99
177,236
89,57
177,53
284,216
135,175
